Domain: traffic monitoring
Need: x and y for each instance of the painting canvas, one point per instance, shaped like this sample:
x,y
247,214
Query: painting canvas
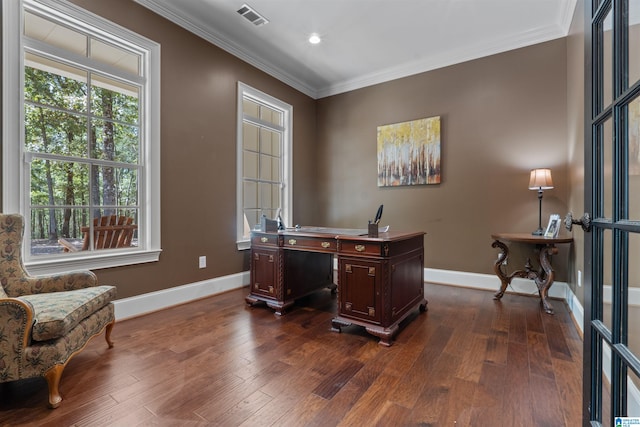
x,y
409,153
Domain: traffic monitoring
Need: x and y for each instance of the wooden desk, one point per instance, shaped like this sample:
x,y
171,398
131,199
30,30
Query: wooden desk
x,y
380,280
543,277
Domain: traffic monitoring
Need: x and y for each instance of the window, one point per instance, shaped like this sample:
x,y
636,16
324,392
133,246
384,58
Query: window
x,y
84,148
264,160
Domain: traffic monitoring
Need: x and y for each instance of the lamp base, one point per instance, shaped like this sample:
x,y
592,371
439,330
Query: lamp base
x,y
538,232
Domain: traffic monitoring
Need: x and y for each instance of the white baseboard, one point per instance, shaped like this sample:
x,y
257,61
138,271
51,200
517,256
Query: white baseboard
x,y
490,282
154,301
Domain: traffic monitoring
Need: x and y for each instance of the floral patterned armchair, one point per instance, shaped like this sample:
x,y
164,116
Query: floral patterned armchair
x,y
45,320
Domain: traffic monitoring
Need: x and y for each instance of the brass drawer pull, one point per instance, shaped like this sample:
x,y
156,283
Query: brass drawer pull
x,y
325,244
264,239
360,248
292,242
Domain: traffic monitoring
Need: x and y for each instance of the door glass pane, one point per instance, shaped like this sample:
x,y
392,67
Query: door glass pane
x,y
633,395
634,42
606,387
607,166
634,294
607,60
633,132
607,278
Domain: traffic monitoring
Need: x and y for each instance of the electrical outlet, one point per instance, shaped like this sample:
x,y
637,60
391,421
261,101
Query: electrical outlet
x,y
202,262
579,278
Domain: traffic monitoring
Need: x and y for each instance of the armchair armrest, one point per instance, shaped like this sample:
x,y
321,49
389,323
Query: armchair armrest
x,y
16,321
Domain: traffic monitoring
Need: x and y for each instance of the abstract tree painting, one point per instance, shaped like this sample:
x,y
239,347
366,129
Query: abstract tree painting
x,y
409,153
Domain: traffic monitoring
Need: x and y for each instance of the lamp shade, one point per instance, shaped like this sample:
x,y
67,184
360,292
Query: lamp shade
x,y
540,179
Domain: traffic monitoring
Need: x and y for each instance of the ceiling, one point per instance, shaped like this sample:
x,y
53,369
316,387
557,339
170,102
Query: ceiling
x,y
365,42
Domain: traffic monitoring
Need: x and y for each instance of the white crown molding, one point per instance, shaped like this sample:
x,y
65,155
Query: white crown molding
x,y
452,57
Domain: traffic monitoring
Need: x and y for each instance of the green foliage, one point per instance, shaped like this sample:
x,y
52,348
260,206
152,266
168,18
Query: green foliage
x,y
84,146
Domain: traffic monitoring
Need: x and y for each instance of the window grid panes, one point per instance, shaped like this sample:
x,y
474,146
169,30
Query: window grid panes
x,y
82,136
262,161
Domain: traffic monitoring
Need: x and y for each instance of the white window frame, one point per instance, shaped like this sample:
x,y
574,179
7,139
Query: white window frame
x,y
243,242
15,186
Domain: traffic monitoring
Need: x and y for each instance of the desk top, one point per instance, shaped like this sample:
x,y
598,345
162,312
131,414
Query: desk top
x,y
530,238
359,234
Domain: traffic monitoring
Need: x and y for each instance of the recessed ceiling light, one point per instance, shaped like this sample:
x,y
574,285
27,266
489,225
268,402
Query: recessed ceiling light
x,y
314,38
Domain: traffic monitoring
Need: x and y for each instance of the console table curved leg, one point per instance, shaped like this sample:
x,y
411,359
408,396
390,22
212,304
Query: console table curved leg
x,y
497,267
545,278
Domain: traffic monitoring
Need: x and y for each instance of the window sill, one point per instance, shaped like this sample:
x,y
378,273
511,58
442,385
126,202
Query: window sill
x,y
91,262
243,245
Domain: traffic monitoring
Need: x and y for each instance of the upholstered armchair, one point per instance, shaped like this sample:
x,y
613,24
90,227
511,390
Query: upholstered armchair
x,y
45,320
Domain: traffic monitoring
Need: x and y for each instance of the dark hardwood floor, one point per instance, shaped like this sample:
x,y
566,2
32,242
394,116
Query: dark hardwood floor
x,y
467,361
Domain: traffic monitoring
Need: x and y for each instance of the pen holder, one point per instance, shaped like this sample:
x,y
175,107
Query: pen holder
x,y
268,225
373,230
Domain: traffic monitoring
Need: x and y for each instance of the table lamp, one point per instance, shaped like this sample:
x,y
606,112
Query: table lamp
x,y
540,180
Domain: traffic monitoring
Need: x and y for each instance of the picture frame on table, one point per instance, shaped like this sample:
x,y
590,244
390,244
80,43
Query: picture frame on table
x,y
553,227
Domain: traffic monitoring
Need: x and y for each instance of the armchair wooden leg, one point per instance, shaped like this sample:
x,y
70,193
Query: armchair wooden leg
x,y
107,333
53,376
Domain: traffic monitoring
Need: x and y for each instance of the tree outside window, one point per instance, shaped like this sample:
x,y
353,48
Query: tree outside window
x,y
81,136
83,142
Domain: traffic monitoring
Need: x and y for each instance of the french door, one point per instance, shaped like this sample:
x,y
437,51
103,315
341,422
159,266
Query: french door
x,y
612,196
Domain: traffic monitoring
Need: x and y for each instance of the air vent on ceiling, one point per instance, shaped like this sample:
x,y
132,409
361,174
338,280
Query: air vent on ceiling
x,y
252,16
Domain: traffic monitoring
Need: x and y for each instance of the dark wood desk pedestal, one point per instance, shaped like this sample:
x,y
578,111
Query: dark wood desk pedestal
x,y
380,279
543,277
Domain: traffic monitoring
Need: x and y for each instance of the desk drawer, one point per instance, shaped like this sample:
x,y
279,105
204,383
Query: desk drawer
x,y
361,248
316,244
264,239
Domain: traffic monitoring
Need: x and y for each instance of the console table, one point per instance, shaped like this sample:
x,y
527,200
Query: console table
x,y
380,279
543,277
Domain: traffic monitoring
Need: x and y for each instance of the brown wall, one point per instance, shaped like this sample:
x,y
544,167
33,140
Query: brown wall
x,y
198,116
500,117
576,143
